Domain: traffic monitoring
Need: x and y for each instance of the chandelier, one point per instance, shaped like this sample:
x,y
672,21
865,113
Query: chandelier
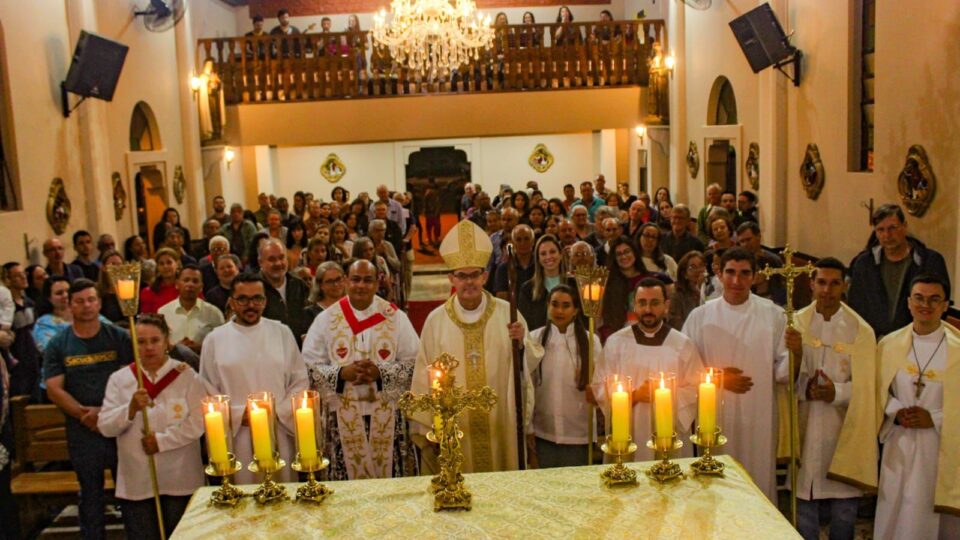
x,y
433,36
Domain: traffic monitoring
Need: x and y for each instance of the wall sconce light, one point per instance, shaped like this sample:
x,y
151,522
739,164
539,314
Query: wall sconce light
x,y
195,83
641,132
669,62
228,155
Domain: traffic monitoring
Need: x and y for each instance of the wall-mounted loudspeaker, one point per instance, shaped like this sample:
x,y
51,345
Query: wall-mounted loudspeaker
x,y
94,69
764,42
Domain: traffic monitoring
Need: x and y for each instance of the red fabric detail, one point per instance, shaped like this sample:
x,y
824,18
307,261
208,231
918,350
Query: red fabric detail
x,y
358,326
153,390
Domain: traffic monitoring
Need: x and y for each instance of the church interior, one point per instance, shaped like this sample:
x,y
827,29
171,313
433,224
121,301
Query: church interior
x,y
853,106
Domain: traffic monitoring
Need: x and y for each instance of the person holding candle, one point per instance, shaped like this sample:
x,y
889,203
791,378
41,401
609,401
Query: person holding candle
x,y
561,417
743,334
835,354
360,353
645,348
171,396
254,354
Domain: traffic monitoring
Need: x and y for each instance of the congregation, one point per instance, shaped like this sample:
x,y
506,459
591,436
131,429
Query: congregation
x,y
312,293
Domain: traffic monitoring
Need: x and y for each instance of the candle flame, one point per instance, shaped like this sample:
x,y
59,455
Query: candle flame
x,y
304,406
619,387
662,383
253,404
708,376
209,407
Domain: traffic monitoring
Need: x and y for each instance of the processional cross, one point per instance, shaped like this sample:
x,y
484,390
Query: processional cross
x,y
790,272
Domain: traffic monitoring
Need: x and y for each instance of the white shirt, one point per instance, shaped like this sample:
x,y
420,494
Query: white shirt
x,y
194,324
7,307
671,266
175,417
824,420
560,414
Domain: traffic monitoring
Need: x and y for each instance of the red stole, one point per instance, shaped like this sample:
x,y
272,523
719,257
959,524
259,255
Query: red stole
x,y
154,389
357,326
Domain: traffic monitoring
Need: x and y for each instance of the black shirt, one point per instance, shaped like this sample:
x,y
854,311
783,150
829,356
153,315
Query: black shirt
x,y
87,363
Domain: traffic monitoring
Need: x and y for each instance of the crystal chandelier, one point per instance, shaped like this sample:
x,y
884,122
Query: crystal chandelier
x,y
433,36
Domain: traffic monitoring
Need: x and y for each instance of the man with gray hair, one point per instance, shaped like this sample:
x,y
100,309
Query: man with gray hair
x,y
714,192
679,240
581,254
217,245
394,209
522,239
286,294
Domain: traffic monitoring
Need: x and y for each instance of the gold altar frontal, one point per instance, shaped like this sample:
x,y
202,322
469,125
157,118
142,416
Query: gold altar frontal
x,y
546,503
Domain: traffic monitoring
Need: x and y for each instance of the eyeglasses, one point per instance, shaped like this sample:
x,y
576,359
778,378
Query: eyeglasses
x,y
244,300
931,301
333,281
472,276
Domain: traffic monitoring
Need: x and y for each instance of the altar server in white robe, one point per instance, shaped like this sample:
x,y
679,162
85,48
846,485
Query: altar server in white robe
x,y
743,334
360,354
919,397
561,377
253,354
475,328
647,348
836,388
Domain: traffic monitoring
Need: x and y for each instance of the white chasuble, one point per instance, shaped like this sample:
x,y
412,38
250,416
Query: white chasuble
x,y
240,360
341,335
485,353
630,352
750,337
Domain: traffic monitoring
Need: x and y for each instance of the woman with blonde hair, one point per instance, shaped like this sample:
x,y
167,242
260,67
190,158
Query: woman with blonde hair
x,y
549,271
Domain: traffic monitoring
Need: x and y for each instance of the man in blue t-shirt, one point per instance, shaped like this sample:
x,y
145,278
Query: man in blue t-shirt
x,y
77,363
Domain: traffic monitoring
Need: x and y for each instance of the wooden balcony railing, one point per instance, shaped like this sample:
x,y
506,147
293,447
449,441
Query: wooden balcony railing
x,y
347,65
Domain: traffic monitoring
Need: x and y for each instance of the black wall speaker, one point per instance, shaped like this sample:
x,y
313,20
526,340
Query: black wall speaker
x,y
762,38
95,67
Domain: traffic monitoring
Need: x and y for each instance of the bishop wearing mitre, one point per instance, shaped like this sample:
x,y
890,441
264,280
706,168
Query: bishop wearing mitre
x,y
474,327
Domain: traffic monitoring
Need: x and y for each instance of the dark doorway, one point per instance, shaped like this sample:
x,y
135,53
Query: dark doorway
x,y
722,165
435,177
148,184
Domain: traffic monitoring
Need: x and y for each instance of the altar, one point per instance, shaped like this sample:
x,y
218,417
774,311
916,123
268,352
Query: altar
x,y
545,503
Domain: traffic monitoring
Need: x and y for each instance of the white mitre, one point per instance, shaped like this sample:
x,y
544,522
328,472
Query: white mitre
x,y
466,246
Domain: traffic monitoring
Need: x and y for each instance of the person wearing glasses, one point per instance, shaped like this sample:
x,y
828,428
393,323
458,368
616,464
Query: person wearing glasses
x,y
881,273
254,354
360,353
474,327
919,391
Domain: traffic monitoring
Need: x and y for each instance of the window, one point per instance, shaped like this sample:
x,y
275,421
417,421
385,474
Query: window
x,y
9,181
863,44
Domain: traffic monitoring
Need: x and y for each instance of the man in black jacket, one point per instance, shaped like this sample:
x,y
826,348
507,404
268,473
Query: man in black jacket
x,y
286,293
880,275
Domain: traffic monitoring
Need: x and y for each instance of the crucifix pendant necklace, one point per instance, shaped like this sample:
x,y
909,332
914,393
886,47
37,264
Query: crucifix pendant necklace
x,y
920,384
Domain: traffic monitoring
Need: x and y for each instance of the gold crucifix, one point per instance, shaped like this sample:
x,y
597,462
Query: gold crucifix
x,y
790,272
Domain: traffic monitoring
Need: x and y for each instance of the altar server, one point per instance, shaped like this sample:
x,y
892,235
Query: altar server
x,y
475,328
919,399
743,334
171,397
836,354
647,348
560,373
360,353
254,354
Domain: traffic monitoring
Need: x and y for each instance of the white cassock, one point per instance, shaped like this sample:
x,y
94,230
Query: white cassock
x,y
630,352
341,335
749,337
478,339
908,468
239,360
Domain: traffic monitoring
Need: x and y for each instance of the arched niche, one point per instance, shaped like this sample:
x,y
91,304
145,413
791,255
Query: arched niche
x,y
722,106
144,132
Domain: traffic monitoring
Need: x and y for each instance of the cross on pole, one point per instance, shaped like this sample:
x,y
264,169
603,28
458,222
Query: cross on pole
x,y
790,272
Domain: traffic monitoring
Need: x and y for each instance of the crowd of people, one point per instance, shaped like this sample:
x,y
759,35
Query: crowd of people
x,y
285,297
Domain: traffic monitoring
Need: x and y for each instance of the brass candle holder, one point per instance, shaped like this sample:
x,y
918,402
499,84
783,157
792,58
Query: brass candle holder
x,y
266,458
445,401
222,462
663,439
309,458
709,434
618,412
591,283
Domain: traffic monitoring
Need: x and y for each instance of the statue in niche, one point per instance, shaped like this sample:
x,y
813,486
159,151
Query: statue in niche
x,y
179,184
811,172
693,159
917,184
119,196
752,166
58,206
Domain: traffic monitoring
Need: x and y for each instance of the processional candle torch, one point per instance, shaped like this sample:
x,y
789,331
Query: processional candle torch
x,y
663,439
261,414
223,464
619,420
307,411
591,284
708,434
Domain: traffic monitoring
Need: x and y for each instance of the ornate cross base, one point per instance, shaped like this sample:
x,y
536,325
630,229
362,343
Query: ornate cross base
x,y
453,497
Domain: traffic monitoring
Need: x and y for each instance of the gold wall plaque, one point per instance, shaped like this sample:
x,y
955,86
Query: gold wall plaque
x,y
693,159
179,184
752,166
58,206
917,184
541,159
332,168
119,196
811,172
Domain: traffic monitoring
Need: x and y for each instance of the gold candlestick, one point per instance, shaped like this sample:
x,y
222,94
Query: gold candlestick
x,y
663,437
446,401
618,415
227,494
309,459
266,458
223,464
664,470
709,434
707,465
591,283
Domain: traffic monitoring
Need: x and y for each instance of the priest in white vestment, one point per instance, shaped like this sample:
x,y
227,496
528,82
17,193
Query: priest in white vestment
x,y
836,386
360,353
647,348
253,354
474,327
743,334
919,398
